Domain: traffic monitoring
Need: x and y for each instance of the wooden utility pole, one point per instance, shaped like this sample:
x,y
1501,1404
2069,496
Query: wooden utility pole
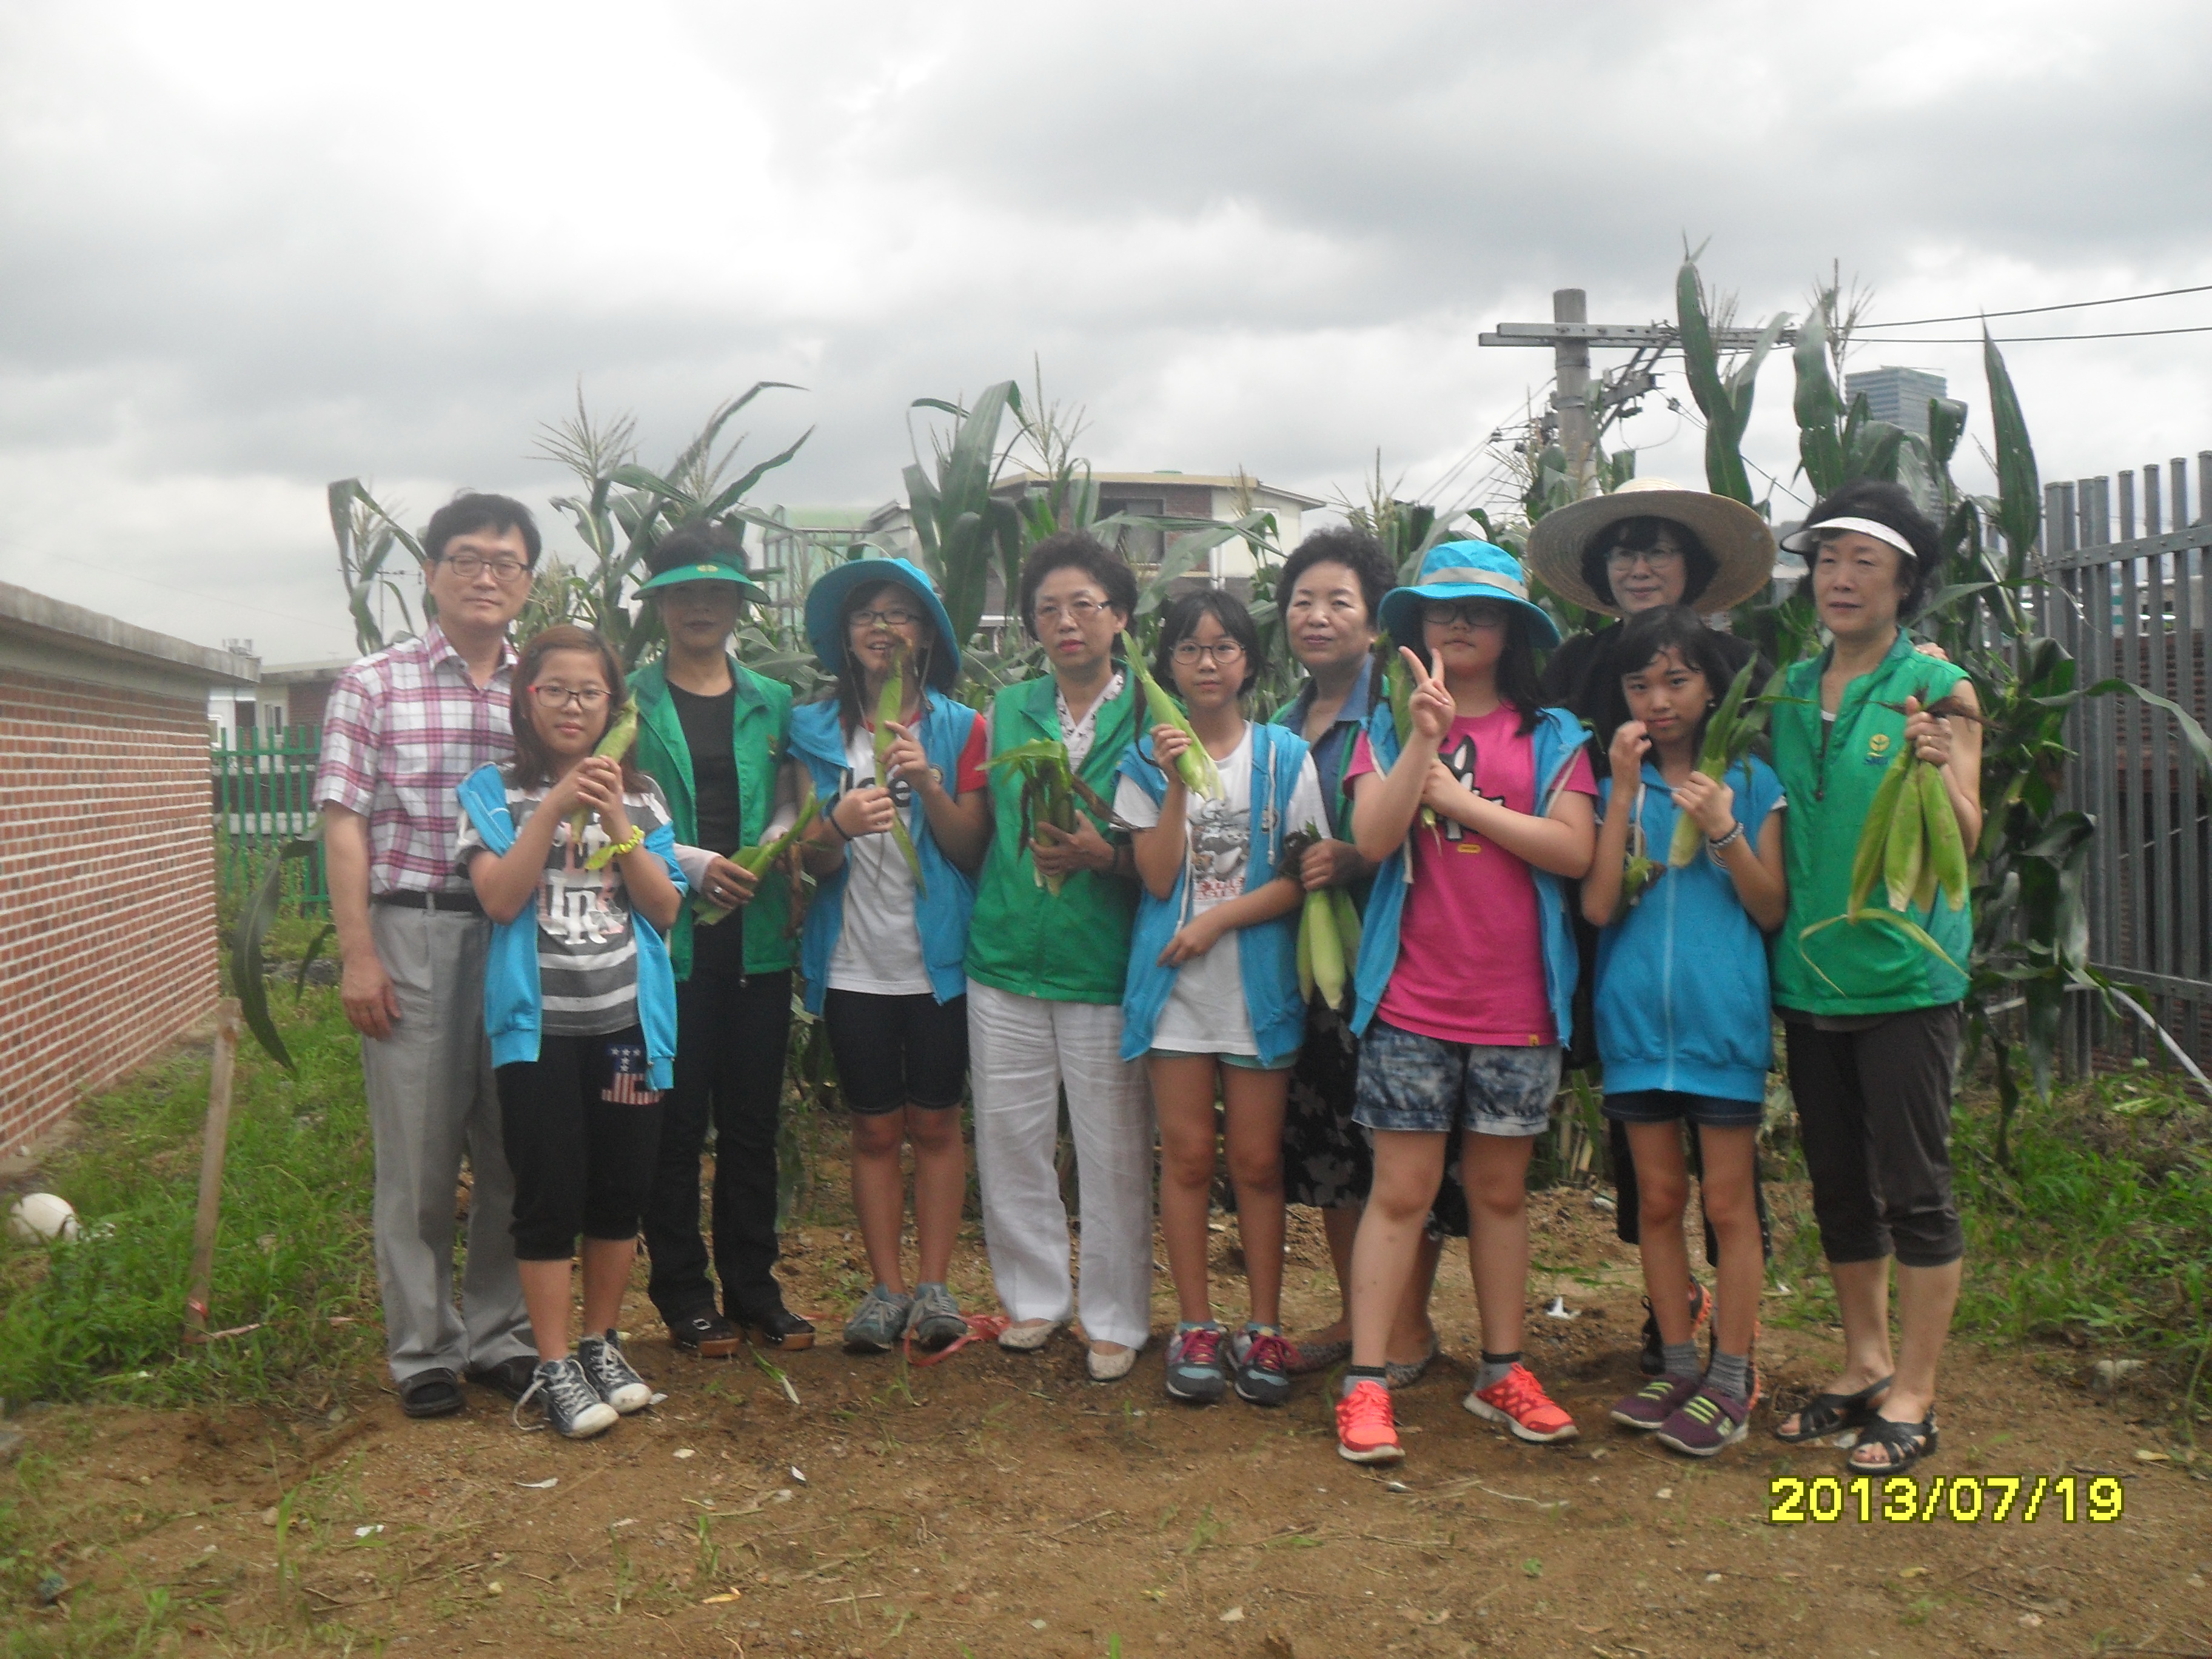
x,y
1570,335
213,1146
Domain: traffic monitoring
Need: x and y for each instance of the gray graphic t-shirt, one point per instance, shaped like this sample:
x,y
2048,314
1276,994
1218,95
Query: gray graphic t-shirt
x,y
586,946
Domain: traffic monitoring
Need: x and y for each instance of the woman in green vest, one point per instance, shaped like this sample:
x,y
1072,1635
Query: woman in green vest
x,y
1044,983
1872,1016
713,734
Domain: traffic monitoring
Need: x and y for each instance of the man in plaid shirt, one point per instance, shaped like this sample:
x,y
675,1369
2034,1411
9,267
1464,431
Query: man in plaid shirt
x,y
402,728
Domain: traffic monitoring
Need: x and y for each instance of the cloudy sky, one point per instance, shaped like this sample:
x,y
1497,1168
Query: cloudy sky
x,y
245,249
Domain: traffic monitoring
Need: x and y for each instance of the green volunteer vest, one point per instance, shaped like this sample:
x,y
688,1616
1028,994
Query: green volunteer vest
x,y
1075,947
761,730
1830,776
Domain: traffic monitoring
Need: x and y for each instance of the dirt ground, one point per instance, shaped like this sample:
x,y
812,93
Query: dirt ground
x,y
1001,1503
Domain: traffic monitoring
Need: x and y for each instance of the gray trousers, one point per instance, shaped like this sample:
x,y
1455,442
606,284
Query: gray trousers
x,y
430,1098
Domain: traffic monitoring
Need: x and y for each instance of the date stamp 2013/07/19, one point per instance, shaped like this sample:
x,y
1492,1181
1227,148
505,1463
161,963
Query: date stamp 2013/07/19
x,y
1960,1497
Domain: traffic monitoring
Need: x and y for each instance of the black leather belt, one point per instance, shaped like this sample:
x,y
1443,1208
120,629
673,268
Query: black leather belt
x,y
432,902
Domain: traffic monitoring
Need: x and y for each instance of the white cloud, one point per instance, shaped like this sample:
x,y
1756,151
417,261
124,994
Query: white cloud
x,y
246,248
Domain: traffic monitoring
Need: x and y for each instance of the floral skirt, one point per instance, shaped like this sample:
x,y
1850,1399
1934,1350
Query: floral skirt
x,y
1328,1161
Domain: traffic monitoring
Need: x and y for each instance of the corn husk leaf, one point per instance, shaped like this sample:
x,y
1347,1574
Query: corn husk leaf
x,y
621,733
889,706
1729,734
705,912
1194,766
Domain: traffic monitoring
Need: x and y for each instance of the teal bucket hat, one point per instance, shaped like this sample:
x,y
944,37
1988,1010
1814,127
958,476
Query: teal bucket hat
x,y
1464,570
709,570
826,604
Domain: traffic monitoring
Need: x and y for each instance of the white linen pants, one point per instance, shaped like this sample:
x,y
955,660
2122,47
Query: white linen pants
x,y
1021,1051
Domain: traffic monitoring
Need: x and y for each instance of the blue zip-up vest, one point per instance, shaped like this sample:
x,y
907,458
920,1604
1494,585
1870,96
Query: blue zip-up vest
x,y
1266,955
512,1017
1682,1001
1558,736
941,912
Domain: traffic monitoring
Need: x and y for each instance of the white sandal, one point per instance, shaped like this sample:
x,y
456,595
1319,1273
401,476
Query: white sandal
x,y
1028,1335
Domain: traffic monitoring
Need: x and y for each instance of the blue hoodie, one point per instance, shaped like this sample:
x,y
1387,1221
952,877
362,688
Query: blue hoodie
x,y
1559,737
1681,978
512,1015
1266,955
942,911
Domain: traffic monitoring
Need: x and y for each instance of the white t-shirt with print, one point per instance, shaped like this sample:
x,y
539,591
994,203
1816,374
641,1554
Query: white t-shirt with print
x,y
1206,1012
879,951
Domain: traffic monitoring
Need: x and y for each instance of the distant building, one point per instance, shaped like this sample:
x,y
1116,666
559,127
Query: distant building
x,y
1150,495
290,694
1899,396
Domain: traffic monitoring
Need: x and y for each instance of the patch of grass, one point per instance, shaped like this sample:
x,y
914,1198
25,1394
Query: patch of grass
x,y
100,1318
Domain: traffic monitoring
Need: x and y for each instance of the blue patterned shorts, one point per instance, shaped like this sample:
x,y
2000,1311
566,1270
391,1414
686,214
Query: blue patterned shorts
x,y
1428,1086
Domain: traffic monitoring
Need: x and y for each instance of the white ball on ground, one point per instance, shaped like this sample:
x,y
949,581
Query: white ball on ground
x,y
42,1215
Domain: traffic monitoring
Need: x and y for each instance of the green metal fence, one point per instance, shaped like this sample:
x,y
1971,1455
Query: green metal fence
x,y
265,796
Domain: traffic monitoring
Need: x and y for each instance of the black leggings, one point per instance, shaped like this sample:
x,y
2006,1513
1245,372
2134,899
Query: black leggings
x,y
1874,1111
583,1131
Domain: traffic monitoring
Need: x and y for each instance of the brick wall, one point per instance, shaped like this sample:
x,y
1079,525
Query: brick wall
x,y
107,900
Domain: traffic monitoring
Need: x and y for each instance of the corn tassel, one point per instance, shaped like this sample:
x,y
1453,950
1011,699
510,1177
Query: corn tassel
x,y
705,913
1907,849
890,705
1947,846
621,734
1194,766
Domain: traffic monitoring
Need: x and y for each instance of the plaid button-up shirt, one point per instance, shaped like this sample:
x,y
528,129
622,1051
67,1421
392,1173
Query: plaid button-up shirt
x,y
402,730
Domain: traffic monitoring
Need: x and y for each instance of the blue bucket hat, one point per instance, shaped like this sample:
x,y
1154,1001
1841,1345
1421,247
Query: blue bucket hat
x,y
1463,570
826,604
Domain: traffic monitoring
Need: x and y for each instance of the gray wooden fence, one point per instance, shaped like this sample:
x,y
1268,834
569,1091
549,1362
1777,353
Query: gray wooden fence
x,y
2130,597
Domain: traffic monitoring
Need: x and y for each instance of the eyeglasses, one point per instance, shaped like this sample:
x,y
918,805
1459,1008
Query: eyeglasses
x,y
468,567
1082,610
1223,652
892,618
563,696
1652,558
1475,613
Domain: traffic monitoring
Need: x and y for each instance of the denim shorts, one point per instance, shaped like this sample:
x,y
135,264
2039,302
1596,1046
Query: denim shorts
x,y
1426,1084
1671,1106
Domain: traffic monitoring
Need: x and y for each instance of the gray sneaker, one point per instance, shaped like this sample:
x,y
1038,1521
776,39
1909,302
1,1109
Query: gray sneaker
x,y
936,1321
601,1357
573,1408
879,1323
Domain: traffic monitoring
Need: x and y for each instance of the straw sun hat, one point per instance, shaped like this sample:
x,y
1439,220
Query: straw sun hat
x,y
1741,545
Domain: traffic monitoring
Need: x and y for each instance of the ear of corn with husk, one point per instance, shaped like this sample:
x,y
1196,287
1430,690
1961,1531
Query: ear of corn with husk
x,y
1912,846
889,706
1050,790
1397,686
1734,726
1328,930
621,733
1194,766
756,860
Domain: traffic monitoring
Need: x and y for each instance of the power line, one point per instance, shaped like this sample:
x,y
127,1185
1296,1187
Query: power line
x,y
2030,311
2022,339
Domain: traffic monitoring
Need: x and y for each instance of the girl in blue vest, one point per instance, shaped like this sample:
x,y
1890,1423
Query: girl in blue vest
x,y
1466,964
580,1003
1683,1025
882,953
1212,1003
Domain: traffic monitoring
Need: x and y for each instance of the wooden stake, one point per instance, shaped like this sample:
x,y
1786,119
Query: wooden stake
x,y
201,1285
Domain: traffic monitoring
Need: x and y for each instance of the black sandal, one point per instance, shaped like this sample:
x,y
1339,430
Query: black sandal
x,y
1824,1414
1903,1444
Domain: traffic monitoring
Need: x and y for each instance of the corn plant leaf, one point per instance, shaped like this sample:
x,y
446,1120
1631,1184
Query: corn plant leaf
x,y
2200,745
729,497
249,972
2020,491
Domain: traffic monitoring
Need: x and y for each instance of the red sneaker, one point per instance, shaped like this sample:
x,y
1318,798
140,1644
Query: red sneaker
x,y
1518,1400
1365,1432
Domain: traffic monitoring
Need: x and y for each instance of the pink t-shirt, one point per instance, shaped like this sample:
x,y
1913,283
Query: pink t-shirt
x,y
1470,951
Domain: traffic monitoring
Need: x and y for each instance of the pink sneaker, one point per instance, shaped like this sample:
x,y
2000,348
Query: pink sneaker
x,y
1518,1400
1366,1431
